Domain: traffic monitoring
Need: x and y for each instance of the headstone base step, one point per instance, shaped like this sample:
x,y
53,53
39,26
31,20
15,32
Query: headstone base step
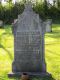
x,y
18,74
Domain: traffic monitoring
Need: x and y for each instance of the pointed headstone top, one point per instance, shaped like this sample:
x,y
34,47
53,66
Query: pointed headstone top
x,y
28,5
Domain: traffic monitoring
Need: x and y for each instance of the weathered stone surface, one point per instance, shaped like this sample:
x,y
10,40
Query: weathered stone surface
x,y
29,43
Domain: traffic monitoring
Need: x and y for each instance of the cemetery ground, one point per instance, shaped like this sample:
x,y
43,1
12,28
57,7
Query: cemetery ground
x,y
52,53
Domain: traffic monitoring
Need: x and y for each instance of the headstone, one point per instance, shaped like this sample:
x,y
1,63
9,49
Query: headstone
x,y
29,54
1,23
48,24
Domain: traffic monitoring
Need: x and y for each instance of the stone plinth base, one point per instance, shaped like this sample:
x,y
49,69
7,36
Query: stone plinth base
x,y
18,74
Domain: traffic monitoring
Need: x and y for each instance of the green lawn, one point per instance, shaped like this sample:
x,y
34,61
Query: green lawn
x,y
52,53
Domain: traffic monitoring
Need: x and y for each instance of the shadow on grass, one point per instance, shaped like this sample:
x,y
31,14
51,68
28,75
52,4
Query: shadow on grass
x,y
55,35
10,55
52,52
5,33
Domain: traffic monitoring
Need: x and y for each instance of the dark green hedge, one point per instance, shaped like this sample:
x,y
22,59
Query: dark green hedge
x,y
10,12
46,12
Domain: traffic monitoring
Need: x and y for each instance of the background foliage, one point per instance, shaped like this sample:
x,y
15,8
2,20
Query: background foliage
x,y
10,11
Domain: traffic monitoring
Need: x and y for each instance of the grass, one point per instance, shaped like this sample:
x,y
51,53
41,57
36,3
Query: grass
x,y
52,50
52,53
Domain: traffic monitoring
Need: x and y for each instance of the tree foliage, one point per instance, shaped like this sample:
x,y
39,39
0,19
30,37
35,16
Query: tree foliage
x,y
10,11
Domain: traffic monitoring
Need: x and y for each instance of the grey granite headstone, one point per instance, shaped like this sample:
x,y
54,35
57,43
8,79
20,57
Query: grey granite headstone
x,y
1,23
48,23
29,54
